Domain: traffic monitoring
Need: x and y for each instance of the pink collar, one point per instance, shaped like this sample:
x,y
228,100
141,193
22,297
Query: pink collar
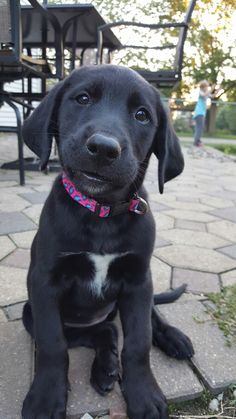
x,y
137,204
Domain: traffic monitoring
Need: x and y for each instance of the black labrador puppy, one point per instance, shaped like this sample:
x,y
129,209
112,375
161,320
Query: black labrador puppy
x,y
91,254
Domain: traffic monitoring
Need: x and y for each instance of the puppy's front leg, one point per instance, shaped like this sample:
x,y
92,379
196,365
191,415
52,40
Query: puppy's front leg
x,y
48,393
143,396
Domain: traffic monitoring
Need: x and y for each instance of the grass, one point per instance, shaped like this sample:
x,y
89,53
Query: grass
x,y
220,134
225,312
216,134
199,408
225,148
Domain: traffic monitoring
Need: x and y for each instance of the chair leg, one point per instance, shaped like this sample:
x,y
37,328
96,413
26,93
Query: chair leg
x,y
20,140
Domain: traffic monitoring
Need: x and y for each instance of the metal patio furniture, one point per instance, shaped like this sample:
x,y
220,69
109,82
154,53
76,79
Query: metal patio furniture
x,y
163,77
77,26
14,65
65,30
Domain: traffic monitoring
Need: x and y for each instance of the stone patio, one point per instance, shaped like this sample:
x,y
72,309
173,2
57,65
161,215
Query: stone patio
x,y
196,235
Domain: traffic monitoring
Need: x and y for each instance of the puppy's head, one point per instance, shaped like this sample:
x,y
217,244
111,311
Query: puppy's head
x,y
107,120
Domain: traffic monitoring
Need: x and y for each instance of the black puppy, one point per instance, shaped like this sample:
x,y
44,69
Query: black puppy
x,y
92,252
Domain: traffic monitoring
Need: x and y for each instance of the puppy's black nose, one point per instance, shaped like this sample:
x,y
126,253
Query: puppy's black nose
x,y
103,147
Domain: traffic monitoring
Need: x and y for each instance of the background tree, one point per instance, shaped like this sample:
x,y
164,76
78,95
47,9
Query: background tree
x,y
213,50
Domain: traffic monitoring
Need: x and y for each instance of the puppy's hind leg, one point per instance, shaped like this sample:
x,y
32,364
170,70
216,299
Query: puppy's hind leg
x,y
170,339
104,339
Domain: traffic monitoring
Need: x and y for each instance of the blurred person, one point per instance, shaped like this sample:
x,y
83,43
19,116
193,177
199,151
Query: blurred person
x,y
200,112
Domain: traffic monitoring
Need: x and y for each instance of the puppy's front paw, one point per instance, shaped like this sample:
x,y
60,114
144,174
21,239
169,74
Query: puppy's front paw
x,y
173,342
46,398
145,400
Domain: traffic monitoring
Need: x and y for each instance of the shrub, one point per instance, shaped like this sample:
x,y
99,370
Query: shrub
x,y
230,117
226,118
182,124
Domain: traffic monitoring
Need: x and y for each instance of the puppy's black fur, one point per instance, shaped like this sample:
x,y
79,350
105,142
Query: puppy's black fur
x,y
107,122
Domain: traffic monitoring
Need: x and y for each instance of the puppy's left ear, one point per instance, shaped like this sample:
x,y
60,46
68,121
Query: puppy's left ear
x,y
40,128
167,149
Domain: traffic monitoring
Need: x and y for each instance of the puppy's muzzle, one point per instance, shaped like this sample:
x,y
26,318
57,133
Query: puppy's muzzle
x,y
103,148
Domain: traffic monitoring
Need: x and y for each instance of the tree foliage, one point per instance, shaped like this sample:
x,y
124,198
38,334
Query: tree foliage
x,y
213,49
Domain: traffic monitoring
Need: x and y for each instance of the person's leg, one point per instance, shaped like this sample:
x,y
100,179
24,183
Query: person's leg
x,y
199,120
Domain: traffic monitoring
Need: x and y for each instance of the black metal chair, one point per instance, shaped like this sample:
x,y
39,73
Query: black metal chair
x,y
65,30
14,65
163,77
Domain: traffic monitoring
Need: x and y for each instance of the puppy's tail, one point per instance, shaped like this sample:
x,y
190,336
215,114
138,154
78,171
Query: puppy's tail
x,y
27,319
169,296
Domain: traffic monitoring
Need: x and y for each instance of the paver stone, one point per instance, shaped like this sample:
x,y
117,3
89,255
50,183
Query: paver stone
x,y
229,251
3,318
229,278
188,238
12,222
191,215
200,282
225,213
190,225
12,285
163,221
6,246
223,228
15,368
83,398
35,197
161,274
214,359
195,258
14,311
175,378
34,212
20,258
23,239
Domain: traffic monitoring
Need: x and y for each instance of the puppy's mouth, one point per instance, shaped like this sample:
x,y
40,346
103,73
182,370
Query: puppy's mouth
x,y
98,185
95,177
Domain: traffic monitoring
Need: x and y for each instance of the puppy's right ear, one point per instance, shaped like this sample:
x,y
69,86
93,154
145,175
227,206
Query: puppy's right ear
x,y
40,128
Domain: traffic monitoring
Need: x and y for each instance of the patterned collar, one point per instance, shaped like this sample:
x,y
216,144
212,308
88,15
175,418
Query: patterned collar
x,y
137,204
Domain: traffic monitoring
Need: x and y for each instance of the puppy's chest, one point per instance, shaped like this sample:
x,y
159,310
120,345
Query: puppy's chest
x,y
101,264
88,272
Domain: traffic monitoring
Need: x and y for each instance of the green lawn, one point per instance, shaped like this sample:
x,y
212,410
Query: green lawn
x,y
225,148
215,134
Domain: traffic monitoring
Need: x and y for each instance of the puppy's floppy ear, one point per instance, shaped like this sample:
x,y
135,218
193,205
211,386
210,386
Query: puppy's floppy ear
x,y
41,126
167,149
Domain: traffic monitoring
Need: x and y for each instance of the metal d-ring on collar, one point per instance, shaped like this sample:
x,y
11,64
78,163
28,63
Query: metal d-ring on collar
x,y
144,206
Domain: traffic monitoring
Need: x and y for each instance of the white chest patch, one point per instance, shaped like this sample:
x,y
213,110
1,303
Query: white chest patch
x,y
101,265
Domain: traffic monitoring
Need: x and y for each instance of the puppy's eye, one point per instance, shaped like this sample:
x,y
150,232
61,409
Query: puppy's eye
x,y
143,116
83,99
